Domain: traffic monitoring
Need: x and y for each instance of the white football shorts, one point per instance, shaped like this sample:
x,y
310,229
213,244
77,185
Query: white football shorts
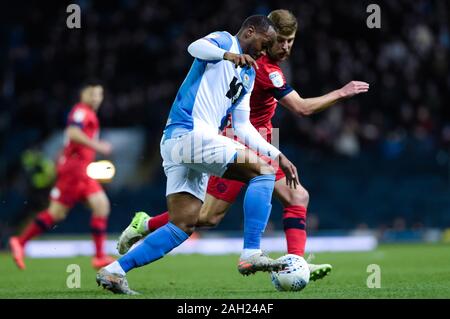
x,y
190,159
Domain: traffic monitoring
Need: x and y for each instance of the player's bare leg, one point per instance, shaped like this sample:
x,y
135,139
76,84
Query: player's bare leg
x,y
58,211
55,213
100,206
295,202
212,212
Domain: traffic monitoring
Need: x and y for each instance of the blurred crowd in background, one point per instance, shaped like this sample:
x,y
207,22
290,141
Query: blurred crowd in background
x,y
138,49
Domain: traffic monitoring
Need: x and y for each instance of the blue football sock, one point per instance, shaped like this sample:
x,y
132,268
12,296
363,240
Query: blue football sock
x,y
154,247
257,207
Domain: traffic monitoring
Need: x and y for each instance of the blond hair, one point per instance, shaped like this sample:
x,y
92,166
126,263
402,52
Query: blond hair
x,y
284,21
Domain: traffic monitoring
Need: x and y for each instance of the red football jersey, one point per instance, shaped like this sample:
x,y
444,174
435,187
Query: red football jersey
x,y
270,86
74,153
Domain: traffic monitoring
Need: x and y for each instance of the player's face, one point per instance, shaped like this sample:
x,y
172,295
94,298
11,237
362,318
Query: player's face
x,y
93,96
261,42
282,46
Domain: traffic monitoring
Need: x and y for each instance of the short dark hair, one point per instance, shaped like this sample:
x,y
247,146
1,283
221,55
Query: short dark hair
x,y
90,83
260,22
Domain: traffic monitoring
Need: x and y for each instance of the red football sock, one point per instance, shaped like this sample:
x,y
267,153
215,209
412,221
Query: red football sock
x,y
98,228
42,222
159,220
294,222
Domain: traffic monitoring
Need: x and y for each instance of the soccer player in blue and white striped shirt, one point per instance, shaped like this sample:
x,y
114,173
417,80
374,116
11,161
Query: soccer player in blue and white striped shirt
x,y
219,83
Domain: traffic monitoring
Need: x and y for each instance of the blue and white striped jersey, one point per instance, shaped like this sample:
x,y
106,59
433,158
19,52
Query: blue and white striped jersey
x,y
210,91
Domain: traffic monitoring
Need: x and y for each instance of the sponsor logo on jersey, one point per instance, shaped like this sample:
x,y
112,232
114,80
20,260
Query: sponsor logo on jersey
x,y
238,93
276,79
235,91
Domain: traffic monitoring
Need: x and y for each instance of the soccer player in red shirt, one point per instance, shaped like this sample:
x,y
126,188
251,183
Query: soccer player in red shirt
x,y
269,90
73,184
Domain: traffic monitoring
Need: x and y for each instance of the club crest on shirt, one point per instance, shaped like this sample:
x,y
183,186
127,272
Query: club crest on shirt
x,y
246,80
276,79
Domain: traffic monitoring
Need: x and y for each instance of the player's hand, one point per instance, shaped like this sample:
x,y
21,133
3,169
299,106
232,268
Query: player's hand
x,y
240,59
104,148
289,170
352,88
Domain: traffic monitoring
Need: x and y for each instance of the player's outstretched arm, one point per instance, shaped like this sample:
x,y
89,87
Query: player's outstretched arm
x,y
308,106
76,135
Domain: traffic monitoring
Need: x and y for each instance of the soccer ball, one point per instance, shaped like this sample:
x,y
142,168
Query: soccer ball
x,y
294,277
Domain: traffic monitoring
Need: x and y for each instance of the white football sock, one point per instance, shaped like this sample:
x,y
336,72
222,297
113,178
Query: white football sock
x,y
249,252
115,268
146,224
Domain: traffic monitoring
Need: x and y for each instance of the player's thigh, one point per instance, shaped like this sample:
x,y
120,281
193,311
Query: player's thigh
x,y
185,192
58,210
66,190
290,196
246,166
212,212
98,202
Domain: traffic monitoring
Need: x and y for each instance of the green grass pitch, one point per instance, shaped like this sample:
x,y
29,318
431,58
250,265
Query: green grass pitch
x,y
407,271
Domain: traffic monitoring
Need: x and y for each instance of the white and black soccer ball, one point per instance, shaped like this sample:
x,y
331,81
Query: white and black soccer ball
x,y
294,277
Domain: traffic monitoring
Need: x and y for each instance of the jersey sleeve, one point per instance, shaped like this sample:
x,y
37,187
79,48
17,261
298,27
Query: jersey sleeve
x,y
81,118
273,80
78,117
221,39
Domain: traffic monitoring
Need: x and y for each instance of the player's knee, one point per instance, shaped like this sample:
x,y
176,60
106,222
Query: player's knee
x,y
186,221
204,221
187,227
57,215
298,197
212,221
267,169
259,169
102,208
101,211
106,209
251,167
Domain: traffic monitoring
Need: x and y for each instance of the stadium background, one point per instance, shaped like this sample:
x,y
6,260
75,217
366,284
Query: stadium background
x,y
378,162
